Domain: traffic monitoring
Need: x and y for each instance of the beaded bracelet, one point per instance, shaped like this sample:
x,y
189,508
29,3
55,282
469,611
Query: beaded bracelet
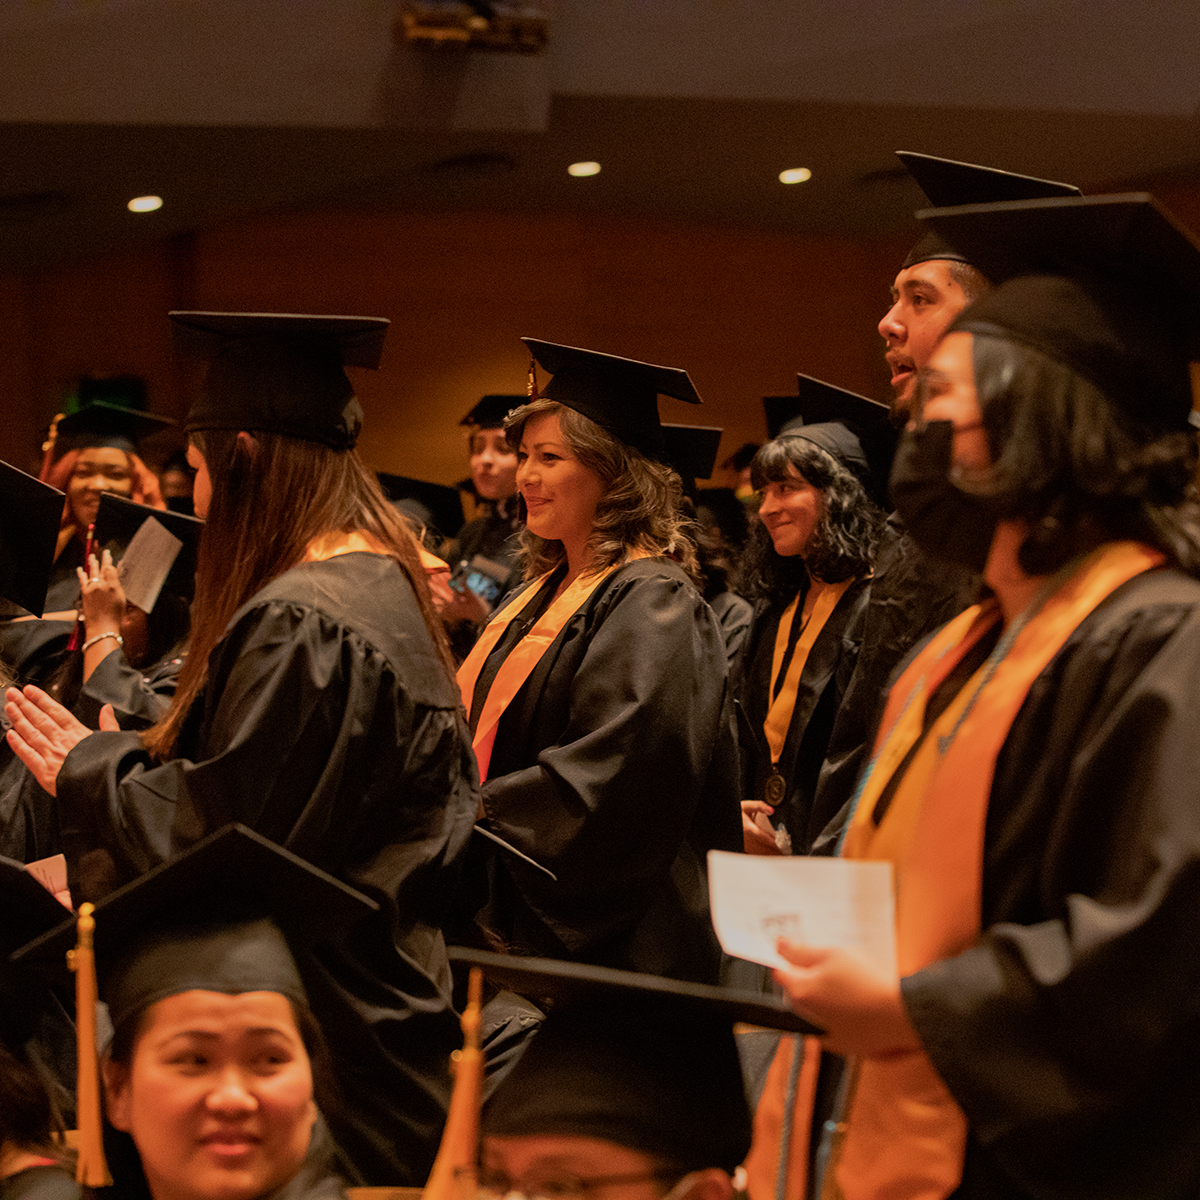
x,y
101,636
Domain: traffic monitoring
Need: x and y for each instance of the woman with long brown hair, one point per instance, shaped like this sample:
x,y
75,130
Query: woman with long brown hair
x,y
316,706
597,696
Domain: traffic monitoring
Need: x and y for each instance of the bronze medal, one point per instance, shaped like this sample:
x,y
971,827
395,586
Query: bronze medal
x,y
775,789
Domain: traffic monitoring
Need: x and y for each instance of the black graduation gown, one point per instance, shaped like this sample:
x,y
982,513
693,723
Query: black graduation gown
x,y
329,725
615,766
1070,1034
494,535
29,824
911,596
823,684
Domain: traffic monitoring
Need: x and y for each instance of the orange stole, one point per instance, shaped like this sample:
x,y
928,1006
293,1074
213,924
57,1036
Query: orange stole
x,y
779,712
905,1134
525,655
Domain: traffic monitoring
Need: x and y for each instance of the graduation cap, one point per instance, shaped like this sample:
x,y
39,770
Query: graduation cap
x,y
433,505
155,549
490,412
280,372
619,394
214,918
646,1062
947,183
691,450
30,517
27,910
104,423
857,431
1107,285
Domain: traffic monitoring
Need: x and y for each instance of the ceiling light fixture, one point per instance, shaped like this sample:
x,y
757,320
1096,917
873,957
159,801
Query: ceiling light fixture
x,y
580,169
140,204
795,175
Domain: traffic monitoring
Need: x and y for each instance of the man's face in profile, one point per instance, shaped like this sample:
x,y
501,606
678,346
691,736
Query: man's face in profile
x,y
925,300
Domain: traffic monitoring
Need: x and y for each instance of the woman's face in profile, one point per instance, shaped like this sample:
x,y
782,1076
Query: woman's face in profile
x,y
560,493
98,469
493,464
217,1096
791,510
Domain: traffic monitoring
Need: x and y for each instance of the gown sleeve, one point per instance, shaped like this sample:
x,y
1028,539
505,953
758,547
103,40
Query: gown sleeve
x,y
1070,1034
308,718
646,741
138,699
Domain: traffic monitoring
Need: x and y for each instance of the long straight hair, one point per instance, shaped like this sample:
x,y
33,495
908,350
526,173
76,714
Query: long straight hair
x,y
272,495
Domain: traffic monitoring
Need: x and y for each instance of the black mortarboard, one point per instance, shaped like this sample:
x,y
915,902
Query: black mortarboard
x,y
645,1062
119,521
103,423
215,918
855,430
434,505
1107,285
619,394
490,412
692,451
27,911
30,517
280,372
947,183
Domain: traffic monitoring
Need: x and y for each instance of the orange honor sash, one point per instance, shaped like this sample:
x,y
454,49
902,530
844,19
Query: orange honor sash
x,y
904,1133
825,597
524,656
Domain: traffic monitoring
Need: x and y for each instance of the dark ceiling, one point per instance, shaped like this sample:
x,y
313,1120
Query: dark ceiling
x,y
693,107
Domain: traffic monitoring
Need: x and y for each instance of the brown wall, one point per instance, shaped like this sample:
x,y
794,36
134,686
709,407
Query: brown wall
x,y
742,311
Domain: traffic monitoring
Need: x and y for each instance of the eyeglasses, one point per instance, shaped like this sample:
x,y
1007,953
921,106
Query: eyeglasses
x,y
495,1185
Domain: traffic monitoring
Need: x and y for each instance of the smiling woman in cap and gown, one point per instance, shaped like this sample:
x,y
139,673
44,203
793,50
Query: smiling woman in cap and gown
x,y
216,1071
316,705
809,568
597,697
1034,778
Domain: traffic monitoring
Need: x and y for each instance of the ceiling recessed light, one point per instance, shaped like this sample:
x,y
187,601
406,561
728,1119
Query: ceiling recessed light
x,y
795,175
145,203
583,168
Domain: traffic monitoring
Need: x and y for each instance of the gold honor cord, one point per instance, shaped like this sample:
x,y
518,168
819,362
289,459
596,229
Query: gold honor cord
x,y
91,1170
453,1174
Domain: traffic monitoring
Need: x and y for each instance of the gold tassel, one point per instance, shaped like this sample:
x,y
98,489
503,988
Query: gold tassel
x,y
91,1169
531,386
458,1155
48,447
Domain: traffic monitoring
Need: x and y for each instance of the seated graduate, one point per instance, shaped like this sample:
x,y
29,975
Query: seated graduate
x,y
808,569
491,534
216,1071
1034,778
597,695
88,453
316,704
36,1051
632,1086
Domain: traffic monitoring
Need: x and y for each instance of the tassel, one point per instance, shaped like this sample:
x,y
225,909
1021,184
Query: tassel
x,y
531,384
91,1169
48,448
458,1155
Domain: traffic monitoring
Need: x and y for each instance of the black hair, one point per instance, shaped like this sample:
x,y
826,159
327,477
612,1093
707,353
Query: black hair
x,y
843,543
27,1117
1078,468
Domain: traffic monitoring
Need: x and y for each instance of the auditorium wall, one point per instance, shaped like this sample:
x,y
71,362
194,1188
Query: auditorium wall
x,y
741,310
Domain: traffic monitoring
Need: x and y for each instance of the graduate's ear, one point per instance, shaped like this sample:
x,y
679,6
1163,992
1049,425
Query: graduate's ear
x,y
709,1184
116,1093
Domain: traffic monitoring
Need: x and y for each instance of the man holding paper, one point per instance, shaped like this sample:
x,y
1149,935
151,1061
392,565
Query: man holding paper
x,y
1033,779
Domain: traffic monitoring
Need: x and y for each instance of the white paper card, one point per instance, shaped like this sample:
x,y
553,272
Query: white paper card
x,y
51,873
818,901
147,562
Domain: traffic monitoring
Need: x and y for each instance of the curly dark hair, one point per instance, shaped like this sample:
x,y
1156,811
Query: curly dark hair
x,y
843,543
1078,468
640,506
